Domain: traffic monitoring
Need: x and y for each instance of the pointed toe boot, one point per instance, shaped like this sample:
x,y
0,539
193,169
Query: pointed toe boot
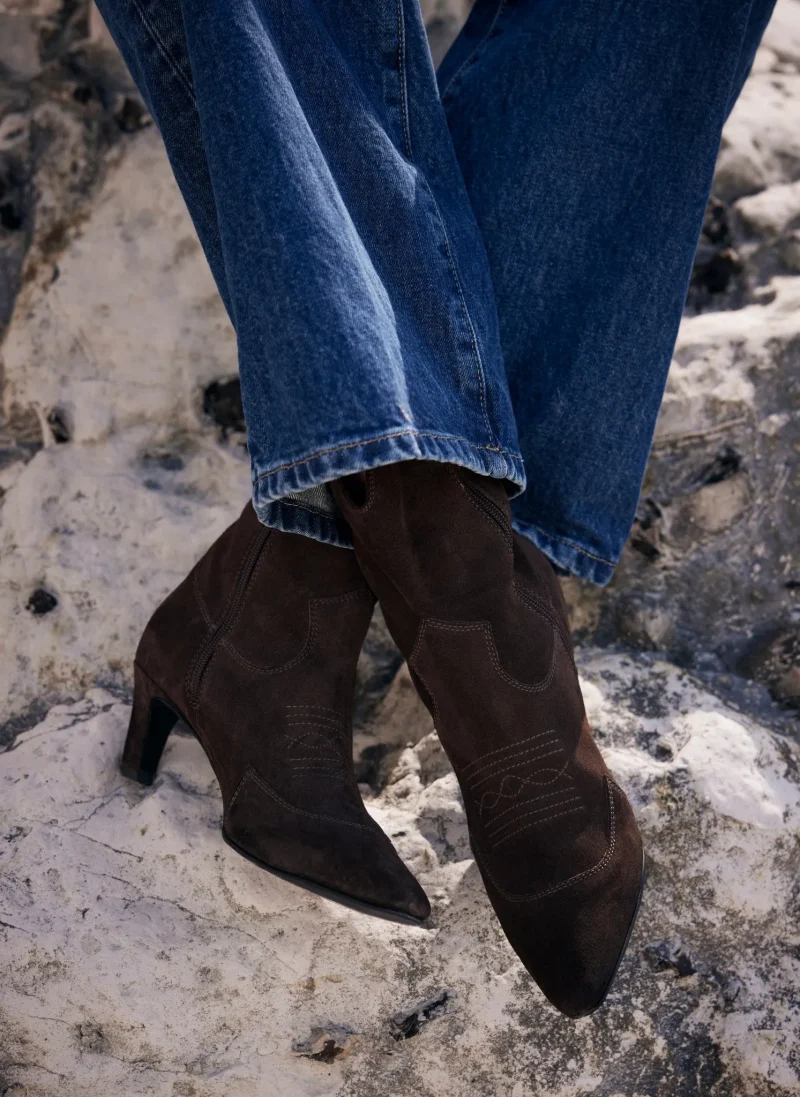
x,y
478,613
256,651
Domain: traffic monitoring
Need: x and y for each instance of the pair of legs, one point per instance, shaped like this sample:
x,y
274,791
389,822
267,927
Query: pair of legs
x,y
480,269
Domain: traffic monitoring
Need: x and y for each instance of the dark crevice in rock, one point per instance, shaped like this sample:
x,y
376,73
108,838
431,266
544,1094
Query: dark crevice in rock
x,y
773,659
23,721
674,954
407,1024
164,459
725,465
59,426
67,26
222,402
368,767
326,1045
132,115
41,602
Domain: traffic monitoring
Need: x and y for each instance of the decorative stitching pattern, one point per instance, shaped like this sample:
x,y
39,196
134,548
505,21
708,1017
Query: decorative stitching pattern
x,y
259,780
264,671
523,803
486,628
548,613
537,822
319,708
313,733
542,754
511,751
574,799
511,898
315,737
521,782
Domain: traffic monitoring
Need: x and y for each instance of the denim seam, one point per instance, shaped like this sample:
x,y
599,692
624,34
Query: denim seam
x,y
468,60
303,506
165,53
572,544
448,249
401,65
472,334
384,438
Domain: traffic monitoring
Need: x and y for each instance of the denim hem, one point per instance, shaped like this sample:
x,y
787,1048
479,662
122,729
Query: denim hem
x,y
271,488
568,555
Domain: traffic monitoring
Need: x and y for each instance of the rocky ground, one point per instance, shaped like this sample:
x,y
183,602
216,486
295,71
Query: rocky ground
x,y
139,954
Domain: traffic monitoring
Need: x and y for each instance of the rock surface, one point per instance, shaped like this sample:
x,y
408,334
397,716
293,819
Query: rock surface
x,y
139,955
142,956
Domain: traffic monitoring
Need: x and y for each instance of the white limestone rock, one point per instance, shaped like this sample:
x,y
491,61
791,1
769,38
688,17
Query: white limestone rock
x,y
142,956
120,347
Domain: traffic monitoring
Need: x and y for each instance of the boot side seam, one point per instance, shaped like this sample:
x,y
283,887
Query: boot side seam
x,y
536,604
204,610
486,508
205,653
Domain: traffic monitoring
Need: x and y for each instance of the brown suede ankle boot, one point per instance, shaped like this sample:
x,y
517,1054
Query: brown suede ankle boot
x,y
478,612
256,651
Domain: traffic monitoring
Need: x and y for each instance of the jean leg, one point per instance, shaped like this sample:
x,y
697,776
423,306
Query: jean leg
x,y
354,270
587,135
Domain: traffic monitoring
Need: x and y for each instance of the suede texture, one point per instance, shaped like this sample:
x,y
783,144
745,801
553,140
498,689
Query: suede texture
x,y
479,614
257,651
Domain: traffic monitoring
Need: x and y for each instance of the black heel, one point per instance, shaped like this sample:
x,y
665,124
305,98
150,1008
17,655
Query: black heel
x,y
152,720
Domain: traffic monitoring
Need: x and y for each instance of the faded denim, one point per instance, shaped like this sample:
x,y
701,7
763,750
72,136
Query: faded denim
x,y
485,266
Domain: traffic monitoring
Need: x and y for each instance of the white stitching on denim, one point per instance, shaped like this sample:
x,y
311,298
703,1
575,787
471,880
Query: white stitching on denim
x,y
571,544
472,333
401,68
165,53
386,438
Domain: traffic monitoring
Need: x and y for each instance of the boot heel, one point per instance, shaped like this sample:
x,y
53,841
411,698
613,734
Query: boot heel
x,y
152,720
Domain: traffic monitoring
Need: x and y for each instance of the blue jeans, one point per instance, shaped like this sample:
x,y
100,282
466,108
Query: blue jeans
x,y
485,265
